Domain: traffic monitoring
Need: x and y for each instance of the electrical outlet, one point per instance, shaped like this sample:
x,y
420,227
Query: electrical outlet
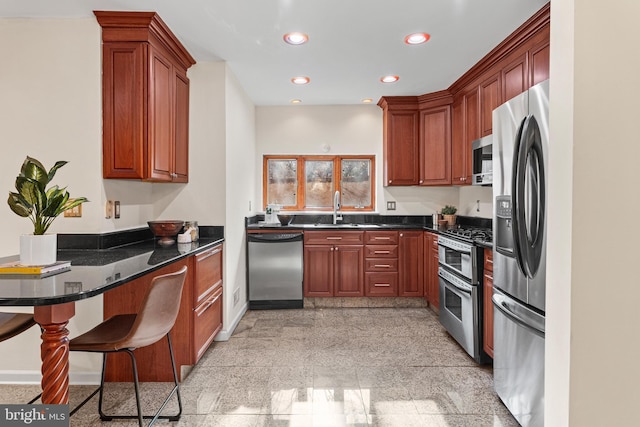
x,y
391,206
236,296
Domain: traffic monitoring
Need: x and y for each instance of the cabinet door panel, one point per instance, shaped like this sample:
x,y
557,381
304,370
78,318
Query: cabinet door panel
x,y
410,265
435,146
160,117
207,273
401,160
458,153
181,145
318,271
381,284
207,322
490,99
514,77
124,97
488,314
348,271
539,64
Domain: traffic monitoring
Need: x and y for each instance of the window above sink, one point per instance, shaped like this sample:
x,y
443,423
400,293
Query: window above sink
x,y
308,183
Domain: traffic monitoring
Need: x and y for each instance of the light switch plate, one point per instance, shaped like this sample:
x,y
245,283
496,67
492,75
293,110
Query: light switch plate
x,y
74,212
391,206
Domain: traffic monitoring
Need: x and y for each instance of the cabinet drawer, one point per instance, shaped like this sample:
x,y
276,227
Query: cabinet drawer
x,y
207,273
381,264
488,260
381,251
381,284
333,237
381,237
207,322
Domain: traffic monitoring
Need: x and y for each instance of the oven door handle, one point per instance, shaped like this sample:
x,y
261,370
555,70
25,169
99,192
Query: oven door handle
x,y
519,316
449,282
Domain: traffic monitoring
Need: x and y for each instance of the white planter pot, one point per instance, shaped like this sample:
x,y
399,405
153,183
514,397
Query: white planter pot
x,y
38,250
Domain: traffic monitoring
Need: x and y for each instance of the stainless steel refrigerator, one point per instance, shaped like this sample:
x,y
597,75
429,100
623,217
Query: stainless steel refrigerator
x,y
520,151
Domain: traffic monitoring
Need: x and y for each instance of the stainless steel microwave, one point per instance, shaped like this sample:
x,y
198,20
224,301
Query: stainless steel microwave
x,y
482,161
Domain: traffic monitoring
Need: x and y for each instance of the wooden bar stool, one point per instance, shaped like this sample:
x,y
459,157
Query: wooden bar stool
x,y
126,332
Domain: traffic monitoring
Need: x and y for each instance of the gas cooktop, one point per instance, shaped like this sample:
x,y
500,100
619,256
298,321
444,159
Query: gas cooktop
x,y
470,234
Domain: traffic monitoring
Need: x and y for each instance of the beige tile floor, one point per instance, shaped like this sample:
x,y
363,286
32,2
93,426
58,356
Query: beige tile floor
x,y
322,367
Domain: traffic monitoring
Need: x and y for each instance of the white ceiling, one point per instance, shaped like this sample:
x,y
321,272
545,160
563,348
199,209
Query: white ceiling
x,y
352,43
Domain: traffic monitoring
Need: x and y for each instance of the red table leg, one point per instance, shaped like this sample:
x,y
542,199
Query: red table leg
x,y
54,351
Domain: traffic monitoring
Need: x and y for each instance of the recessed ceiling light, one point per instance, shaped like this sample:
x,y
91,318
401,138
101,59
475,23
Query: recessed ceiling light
x,y
389,79
300,80
296,38
367,101
296,101
417,38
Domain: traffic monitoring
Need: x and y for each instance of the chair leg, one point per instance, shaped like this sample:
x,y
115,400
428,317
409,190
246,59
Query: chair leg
x,y
139,416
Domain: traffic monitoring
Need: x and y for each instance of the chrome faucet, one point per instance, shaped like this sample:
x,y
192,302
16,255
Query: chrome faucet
x,y
336,207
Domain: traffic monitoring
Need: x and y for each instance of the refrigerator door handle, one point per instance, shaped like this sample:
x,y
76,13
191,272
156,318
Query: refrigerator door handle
x,y
515,190
521,315
529,197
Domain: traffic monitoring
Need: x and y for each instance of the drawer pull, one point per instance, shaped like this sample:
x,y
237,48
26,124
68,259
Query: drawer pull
x,y
382,285
334,238
205,255
382,238
382,266
381,252
205,306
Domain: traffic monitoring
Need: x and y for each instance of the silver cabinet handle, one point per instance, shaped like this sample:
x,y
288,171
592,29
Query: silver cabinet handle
x,y
382,265
381,285
382,238
381,252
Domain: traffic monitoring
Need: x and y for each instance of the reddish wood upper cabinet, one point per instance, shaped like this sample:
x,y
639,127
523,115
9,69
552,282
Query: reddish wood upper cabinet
x,y
467,128
487,289
515,75
145,98
539,70
410,264
401,143
490,98
435,146
333,263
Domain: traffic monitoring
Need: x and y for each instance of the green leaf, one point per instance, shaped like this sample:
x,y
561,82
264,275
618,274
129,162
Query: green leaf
x,y
17,205
30,190
55,203
55,167
33,169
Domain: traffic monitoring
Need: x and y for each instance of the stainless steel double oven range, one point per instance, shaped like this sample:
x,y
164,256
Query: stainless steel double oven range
x,y
460,272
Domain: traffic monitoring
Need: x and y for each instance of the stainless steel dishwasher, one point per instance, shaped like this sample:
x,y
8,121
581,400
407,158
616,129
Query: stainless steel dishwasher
x,y
275,266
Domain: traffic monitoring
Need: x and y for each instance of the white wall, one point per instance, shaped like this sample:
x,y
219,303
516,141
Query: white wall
x,y
476,201
592,311
240,191
347,129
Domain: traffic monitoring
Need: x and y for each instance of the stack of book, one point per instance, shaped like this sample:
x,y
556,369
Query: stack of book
x,y
16,270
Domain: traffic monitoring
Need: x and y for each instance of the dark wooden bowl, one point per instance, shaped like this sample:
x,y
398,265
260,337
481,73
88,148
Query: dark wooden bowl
x,y
166,230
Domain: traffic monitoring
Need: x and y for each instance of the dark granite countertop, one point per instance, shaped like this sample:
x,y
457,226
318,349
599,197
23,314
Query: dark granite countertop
x,y
95,271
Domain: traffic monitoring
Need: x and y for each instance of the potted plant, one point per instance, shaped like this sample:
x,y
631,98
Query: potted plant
x,y
41,205
449,214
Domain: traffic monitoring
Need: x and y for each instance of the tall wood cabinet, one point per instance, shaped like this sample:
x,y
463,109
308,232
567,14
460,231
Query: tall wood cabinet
x,y
431,282
410,265
145,93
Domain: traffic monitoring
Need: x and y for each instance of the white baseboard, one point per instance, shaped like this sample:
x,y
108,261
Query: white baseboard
x,y
227,330
34,377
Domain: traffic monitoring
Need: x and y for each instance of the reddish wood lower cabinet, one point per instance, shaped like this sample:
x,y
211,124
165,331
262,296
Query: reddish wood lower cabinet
x,y
333,263
381,263
488,305
410,264
431,269
199,319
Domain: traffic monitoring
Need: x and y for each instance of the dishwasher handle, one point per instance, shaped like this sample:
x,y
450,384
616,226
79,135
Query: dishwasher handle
x,y
274,237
